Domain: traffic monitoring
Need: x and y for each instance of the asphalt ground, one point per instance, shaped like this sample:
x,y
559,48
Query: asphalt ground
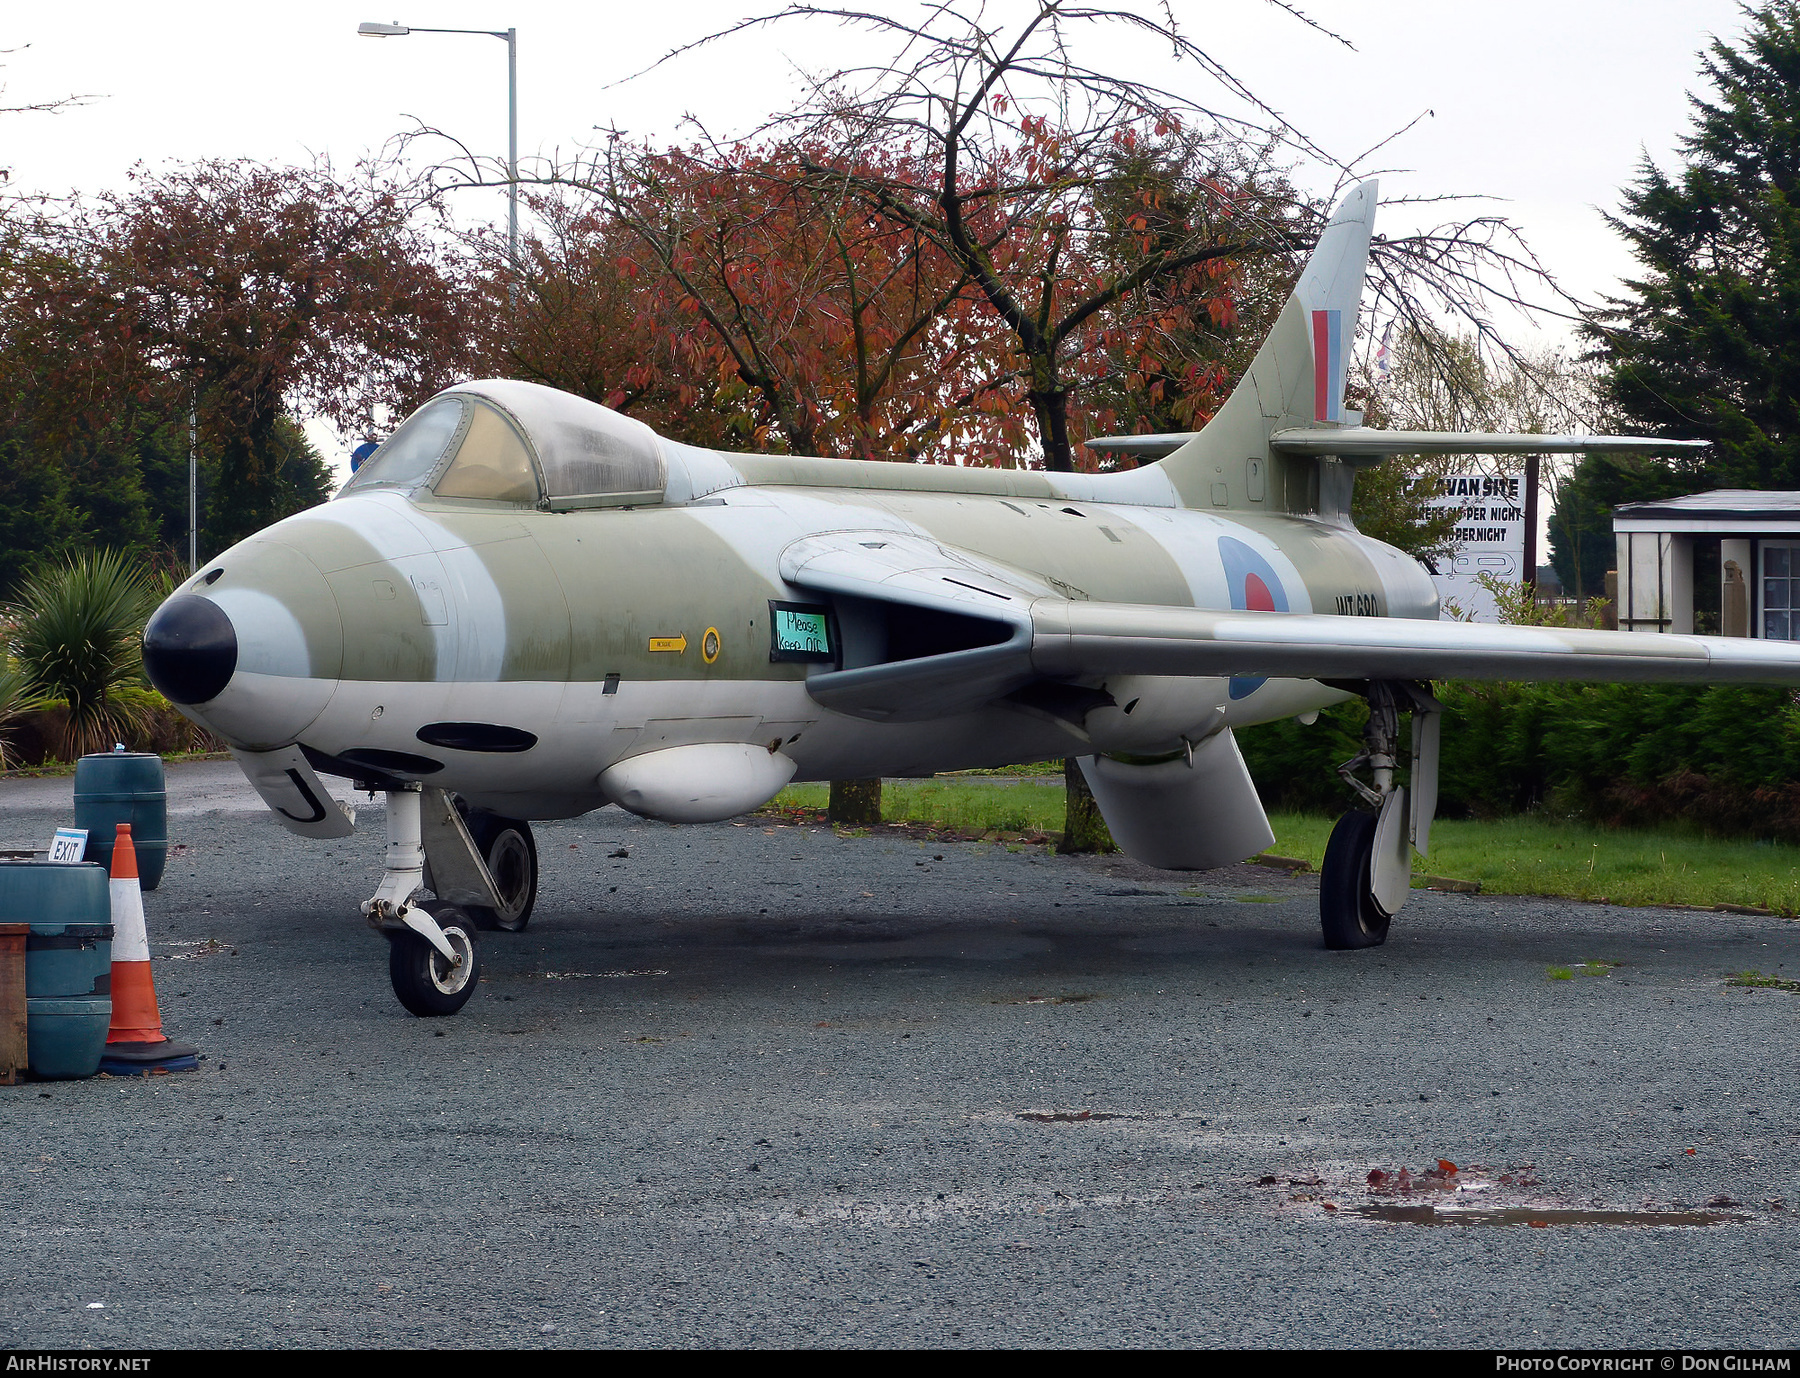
x,y
759,1085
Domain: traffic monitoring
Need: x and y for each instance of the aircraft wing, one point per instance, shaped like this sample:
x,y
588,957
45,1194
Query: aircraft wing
x,y
930,630
1070,639
1368,442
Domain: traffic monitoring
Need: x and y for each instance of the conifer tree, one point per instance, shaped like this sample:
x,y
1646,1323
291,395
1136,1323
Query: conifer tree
x,y
1707,341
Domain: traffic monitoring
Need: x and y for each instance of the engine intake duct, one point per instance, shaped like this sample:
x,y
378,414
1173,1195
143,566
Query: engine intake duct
x,y
903,662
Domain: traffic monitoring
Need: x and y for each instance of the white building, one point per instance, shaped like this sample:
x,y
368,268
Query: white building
x,y
1757,537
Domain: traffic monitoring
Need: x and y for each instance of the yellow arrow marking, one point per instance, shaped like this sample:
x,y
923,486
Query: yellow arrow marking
x,y
677,644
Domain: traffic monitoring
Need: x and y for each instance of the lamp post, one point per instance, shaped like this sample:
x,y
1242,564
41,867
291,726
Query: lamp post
x,y
371,30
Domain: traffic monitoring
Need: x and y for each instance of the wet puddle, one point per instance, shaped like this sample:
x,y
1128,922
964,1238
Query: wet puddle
x,y
1071,1116
1540,1218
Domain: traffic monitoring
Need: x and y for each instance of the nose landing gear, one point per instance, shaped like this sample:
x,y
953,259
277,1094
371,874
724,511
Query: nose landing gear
x,y
484,872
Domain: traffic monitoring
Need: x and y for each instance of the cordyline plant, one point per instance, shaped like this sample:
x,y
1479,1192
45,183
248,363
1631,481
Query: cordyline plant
x,y
76,631
18,697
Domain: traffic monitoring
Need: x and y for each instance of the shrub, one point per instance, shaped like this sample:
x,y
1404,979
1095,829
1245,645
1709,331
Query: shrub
x,y
18,697
1724,758
76,635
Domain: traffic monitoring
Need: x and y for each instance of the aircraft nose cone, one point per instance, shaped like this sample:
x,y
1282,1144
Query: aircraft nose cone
x,y
190,649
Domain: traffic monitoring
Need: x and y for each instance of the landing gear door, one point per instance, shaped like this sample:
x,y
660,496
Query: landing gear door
x,y
1390,864
459,873
289,786
1427,725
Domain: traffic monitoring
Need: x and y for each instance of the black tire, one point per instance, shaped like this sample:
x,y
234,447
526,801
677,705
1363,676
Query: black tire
x,y
423,980
1347,908
511,854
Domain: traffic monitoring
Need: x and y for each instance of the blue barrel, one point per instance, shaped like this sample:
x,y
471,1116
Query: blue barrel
x,y
65,1038
116,787
69,949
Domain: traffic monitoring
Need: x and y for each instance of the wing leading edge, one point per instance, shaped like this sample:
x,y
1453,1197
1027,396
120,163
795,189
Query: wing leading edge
x,y
1072,639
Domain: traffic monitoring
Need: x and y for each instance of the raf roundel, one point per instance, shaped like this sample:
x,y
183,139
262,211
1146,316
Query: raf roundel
x,y
1254,587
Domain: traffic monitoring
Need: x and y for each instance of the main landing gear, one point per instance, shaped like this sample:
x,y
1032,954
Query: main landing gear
x,y
484,872
1367,874
510,851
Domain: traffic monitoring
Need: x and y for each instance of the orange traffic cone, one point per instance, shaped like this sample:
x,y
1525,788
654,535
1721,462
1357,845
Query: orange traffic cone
x,y
135,1044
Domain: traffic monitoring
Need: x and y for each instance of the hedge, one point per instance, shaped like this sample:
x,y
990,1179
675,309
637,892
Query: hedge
x,y
1725,759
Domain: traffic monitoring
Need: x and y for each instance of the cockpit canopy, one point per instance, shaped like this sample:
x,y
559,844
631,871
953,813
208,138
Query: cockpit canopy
x,y
520,444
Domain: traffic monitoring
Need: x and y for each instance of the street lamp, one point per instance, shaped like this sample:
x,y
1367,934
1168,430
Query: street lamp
x,y
372,30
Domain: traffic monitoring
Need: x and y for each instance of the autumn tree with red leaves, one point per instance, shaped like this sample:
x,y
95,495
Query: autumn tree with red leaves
x,y
1104,228
756,297
848,328
252,293
580,311
749,302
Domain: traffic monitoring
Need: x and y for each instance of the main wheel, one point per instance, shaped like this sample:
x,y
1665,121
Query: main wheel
x,y
512,860
1347,907
426,982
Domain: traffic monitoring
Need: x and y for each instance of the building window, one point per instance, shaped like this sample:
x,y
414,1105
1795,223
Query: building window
x,y
1780,592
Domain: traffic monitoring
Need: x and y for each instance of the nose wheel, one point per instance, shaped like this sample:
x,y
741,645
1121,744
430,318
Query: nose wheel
x,y
434,960
484,869
427,982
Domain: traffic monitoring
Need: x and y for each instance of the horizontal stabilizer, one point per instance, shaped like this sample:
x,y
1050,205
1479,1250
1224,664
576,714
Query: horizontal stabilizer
x,y
1141,447
1360,442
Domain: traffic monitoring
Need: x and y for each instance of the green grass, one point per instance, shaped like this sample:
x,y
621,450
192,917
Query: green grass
x,y
1511,856
954,802
1757,980
1532,855
1052,769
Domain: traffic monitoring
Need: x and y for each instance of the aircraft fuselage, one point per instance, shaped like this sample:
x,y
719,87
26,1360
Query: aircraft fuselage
x,y
386,631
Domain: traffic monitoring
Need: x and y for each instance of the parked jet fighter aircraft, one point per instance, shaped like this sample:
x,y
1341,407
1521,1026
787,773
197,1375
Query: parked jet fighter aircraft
x,y
524,606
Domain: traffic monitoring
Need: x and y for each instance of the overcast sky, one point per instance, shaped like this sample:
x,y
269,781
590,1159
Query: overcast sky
x,y
1546,105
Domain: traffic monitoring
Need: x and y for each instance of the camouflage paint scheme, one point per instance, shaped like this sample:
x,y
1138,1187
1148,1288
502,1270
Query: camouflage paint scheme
x,y
436,609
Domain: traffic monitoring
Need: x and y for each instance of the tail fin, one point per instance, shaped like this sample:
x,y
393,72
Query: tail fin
x,y
1296,380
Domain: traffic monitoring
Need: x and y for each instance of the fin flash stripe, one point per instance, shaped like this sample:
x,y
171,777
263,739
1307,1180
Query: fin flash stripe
x,y
1328,365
